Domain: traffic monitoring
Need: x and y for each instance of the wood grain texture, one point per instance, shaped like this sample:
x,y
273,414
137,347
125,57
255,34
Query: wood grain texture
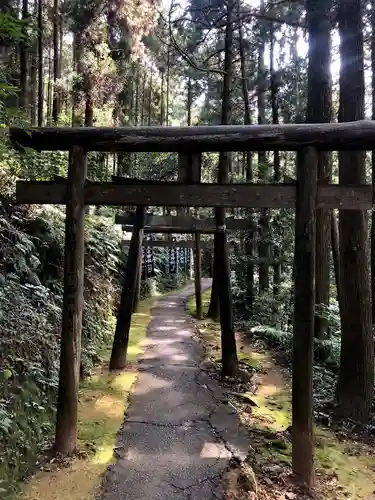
x,y
201,195
286,137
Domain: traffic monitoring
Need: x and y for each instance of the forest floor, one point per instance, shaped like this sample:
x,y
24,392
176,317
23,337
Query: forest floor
x,y
187,433
103,398
179,434
345,466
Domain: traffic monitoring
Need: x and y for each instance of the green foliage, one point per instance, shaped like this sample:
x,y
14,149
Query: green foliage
x,y
31,257
163,282
11,28
326,352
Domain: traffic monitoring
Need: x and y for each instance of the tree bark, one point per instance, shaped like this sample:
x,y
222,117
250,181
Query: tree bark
x,y
49,87
249,246
319,110
356,376
228,342
303,328
34,79
89,105
168,90
189,101
149,121
121,338
67,404
40,64
77,118
373,161
24,57
56,60
264,246
276,157
162,111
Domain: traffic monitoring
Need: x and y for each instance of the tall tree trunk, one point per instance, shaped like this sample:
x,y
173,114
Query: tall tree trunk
x,y
264,246
33,83
276,155
136,95
49,87
356,376
150,102
228,342
89,104
168,90
189,101
24,57
143,100
40,64
77,85
373,160
248,171
336,255
319,110
56,60
162,111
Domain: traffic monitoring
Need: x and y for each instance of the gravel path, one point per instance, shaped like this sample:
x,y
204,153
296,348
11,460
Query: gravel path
x,y
178,435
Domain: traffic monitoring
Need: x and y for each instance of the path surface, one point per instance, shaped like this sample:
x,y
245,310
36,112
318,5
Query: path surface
x,y
178,435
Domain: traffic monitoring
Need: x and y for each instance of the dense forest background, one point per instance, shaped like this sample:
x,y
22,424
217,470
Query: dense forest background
x,y
116,63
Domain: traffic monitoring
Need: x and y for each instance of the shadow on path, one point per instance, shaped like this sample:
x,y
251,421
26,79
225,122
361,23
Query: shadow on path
x,y
178,435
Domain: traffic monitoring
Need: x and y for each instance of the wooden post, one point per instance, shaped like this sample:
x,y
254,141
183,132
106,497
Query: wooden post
x,y
190,167
121,339
336,254
67,403
137,294
198,275
303,328
372,240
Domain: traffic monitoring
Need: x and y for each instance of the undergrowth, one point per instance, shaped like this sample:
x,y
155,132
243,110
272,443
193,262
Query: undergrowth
x,y
344,467
31,290
103,398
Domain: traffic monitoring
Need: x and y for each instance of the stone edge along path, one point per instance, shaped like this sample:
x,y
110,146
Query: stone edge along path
x,y
178,436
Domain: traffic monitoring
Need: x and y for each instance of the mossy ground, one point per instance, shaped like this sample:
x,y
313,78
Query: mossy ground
x,y
102,403
344,469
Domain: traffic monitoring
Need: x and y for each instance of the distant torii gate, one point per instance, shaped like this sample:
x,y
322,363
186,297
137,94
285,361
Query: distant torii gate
x,y
305,196
181,224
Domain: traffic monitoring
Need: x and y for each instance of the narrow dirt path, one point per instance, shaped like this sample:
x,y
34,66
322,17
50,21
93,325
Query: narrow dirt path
x,y
178,435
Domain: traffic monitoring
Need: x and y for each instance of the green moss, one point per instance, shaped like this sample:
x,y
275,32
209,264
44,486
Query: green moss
x,y
191,307
273,412
255,360
103,399
352,463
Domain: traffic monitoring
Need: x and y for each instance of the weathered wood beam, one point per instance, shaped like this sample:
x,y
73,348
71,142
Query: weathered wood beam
x,y
191,164
71,329
201,195
170,229
171,244
137,295
121,337
304,312
198,275
287,137
184,222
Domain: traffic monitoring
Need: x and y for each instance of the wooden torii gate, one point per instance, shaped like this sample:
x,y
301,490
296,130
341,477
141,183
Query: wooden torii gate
x,y
305,196
181,224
